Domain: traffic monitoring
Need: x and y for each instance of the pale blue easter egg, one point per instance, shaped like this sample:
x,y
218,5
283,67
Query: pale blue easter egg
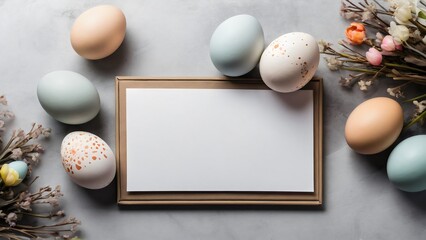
x,y
21,167
68,97
406,165
236,45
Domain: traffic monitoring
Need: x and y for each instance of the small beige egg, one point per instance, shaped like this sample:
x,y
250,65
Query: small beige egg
x,y
88,160
98,32
374,125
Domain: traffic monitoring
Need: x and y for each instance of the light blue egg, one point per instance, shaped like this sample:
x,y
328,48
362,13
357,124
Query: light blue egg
x,y
68,97
406,165
236,45
21,167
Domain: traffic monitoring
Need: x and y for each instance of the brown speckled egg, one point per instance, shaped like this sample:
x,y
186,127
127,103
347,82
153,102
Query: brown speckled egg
x,y
88,160
374,125
98,32
289,62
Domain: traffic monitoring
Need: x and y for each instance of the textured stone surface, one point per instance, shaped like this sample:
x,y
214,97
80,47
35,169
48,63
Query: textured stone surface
x,y
171,38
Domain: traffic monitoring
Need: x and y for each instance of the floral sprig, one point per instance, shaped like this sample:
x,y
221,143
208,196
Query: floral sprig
x,y
17,202
397,50
5,114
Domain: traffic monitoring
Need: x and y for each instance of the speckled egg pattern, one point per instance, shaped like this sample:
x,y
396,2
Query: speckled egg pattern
x,y
289,62
277,48
81,150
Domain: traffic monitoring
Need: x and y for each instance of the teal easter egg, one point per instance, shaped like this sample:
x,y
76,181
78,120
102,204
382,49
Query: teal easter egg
x,y
68,97
406,165
21,167
236,45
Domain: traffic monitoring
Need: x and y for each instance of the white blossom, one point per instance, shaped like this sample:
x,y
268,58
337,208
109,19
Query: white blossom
x,y
400,33
333,63
16,154
402,12
395,92
11,219
363,85
420,106
394,4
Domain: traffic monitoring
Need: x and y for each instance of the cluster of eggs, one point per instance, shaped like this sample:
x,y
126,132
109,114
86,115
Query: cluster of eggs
x,y
286,65
71,98
373,126
236,47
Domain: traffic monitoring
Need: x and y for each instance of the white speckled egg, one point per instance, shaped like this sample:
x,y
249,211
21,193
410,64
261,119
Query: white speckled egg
x,y
236,45
88,160
68,97
289,62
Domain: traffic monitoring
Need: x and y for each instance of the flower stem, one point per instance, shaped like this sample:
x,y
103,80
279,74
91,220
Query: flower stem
x,y
404,67
418,118
6,148
414,50
37,215
359,70
419,26
416,98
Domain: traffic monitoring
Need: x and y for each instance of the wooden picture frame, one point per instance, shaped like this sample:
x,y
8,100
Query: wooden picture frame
x,y
212,198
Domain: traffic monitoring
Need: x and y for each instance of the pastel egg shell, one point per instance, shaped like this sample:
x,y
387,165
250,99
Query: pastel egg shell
x,y
98,32
236,45
406,166
68,97
374,125
21,167
88,160
289,62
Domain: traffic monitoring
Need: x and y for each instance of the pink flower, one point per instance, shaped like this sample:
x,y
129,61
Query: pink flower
x,y
374,57
389,44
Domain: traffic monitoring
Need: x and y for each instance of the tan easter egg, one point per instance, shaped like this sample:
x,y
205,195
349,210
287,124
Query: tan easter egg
x,y
374,125
88,160
98,32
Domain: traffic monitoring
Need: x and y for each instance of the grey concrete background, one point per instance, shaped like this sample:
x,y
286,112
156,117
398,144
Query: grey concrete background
x,y
171,38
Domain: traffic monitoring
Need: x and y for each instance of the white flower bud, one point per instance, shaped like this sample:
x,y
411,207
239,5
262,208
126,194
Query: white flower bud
x,y
400,33
403,13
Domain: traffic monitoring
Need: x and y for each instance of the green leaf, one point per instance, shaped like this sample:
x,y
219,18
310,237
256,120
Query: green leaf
x,y
422,15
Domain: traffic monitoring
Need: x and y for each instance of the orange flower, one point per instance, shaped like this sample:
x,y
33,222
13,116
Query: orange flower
x,y
355,33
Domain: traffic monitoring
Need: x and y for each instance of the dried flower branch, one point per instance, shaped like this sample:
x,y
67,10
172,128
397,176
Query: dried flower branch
x,y
397,51
16,201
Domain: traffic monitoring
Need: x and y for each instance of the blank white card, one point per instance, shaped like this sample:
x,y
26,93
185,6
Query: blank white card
x,y
219,140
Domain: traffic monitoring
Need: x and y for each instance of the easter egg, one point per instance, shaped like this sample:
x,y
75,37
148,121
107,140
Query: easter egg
x,y
98,32
68,97
236,45
374,125
289,62
88,160
406,165
21,167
